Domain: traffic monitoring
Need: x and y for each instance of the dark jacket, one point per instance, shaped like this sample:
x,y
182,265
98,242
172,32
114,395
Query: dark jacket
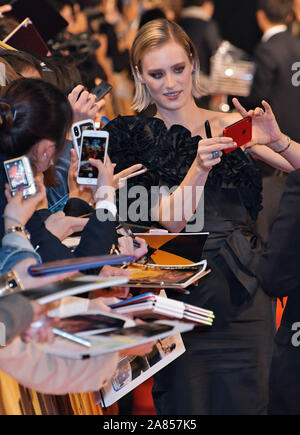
x,y
273,81
279,272
205,36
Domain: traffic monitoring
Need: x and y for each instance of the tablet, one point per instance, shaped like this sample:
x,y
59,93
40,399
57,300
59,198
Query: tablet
x,y
80,263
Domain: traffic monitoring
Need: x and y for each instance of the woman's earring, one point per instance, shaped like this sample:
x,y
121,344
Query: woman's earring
x,y
45,156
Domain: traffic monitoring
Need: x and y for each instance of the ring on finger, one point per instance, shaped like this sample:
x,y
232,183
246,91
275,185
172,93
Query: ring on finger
x,y
215,155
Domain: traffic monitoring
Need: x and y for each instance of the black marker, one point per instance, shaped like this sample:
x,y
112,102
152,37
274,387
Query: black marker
x,y
207,130
126,231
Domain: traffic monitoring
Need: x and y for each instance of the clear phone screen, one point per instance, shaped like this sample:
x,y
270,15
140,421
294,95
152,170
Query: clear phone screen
x,y
92,148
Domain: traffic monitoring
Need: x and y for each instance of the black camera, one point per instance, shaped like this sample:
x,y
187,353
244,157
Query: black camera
x,y
77,45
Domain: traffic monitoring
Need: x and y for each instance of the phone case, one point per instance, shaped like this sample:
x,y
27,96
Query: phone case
x,y
101,90
81,126
240,131
25,176
84,168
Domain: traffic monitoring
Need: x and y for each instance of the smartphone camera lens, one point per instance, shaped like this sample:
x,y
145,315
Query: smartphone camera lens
x,y
76,131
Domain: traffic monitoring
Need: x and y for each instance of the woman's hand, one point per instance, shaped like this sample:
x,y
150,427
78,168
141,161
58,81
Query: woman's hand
x,y
22,209
265,129
126,247
105,185
98,304
118,182
5,8
42,332
39,179
210,151
85,105
119,292
63,226
41,329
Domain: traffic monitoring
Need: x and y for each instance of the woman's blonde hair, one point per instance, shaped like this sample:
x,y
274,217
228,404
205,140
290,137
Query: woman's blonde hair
x,y
154,34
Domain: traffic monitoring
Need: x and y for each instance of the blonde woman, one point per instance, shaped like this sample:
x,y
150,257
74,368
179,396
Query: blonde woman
x,y
224,369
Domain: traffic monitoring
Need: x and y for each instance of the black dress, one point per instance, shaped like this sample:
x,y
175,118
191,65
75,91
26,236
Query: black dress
x,y
225,368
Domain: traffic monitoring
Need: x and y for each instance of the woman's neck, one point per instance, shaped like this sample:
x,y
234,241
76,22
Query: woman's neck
x,y
188,116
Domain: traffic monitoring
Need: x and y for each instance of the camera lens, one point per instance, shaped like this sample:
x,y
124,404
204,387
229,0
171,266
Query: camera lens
x,y
76,131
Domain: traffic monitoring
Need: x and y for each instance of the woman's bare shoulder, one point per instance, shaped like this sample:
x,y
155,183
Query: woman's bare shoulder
x,y
220,120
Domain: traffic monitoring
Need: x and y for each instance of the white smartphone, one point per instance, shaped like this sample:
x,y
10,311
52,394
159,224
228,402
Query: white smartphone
x,y
77,129
94,145
20,175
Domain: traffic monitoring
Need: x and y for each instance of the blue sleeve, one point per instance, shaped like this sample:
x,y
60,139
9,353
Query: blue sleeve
x,y
11,255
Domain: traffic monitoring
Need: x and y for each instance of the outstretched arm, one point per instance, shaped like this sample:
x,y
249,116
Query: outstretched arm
x,y
269,144
176,209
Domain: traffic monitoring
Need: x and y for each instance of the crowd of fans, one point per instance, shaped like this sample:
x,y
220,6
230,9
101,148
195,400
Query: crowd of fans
x,y
42,97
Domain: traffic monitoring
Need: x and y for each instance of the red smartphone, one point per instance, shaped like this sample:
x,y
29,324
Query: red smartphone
x,y
240,131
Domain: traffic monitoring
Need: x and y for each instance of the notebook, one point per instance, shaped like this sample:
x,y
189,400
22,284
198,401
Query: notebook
x,y
71,287
151,306
27,38
98,327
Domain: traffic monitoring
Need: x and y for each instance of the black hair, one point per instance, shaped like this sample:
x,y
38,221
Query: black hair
x,y
34,110
60,4
276,11
61,71
151,14
188,3
7,25
20,61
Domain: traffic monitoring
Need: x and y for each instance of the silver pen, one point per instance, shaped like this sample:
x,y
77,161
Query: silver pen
x,y
64,334
72,337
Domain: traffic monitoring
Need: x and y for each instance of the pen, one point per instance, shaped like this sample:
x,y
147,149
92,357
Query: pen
x,y
128,233
72,337
208,129
63,333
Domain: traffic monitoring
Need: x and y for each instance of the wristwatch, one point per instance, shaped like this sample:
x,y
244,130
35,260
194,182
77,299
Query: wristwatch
x,y
10,283
18,229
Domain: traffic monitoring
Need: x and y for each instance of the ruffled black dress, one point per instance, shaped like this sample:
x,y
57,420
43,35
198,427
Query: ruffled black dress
x,y
225,369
